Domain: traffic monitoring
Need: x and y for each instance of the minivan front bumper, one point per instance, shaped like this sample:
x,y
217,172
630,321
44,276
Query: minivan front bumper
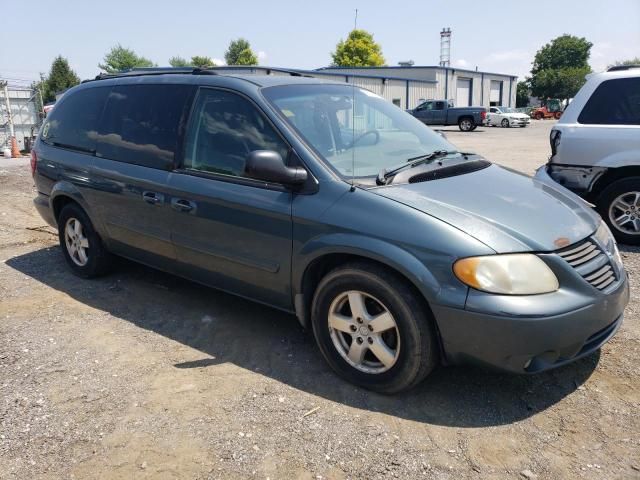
x,y
531,343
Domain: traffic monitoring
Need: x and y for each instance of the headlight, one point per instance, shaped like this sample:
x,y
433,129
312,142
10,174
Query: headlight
x,y
511,274
605,238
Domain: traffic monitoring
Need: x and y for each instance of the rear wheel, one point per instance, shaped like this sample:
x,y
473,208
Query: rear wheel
x,y
619,206
82,247
466,124
538,116
504,123
372,330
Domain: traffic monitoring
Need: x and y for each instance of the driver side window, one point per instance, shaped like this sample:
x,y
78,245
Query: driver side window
x,y
224,128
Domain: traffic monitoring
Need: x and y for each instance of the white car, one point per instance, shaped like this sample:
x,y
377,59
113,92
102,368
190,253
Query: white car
x,y
595,149
506,117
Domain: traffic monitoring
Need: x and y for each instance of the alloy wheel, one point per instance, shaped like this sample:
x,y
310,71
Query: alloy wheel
x,y
364,332
466,125
624,213
76,242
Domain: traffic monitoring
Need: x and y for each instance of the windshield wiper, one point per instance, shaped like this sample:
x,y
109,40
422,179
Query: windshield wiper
x,y
384,174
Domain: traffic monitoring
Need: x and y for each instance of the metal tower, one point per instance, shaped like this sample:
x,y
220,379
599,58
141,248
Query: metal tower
x,y
445,47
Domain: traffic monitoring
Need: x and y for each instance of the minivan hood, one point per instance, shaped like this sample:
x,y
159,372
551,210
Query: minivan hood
x,y
504,209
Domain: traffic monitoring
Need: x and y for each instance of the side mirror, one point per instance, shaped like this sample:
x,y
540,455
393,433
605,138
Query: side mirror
x,y
268,166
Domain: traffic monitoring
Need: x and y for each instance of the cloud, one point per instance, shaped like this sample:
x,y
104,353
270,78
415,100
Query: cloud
x,y
262,55
461,62
508,56
218,61
512,62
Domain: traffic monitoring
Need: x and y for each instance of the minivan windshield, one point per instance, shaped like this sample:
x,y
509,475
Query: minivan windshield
x,y
357,132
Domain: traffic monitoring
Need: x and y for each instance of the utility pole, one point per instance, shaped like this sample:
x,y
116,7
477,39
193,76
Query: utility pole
x,y
12,134
355,22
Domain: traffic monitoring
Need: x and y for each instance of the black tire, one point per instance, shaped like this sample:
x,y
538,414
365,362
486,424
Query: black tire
x,y
98,259
504,123
417,351
604,203
466,124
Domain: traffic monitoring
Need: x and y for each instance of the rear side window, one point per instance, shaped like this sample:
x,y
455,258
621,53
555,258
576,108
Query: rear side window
x,y
143,124
73,123
614,102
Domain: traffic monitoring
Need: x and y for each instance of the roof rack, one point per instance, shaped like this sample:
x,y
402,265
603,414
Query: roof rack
x,y
293,73
618,68
140,71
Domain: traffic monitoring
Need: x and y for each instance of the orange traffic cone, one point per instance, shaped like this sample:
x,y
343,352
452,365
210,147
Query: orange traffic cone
x,y
15,153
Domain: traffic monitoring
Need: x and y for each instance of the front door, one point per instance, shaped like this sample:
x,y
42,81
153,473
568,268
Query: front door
x,y
230,231
423,112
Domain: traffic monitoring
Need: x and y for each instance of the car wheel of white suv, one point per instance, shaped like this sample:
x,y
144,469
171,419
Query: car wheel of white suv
x,y
619,206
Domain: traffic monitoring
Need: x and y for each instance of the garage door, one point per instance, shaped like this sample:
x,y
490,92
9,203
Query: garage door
x,y
463,92
496,93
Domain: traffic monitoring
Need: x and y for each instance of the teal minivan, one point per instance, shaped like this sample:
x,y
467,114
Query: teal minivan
x,y
322,199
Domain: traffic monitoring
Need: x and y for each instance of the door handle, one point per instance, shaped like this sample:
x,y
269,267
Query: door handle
x,y
183,205
153,198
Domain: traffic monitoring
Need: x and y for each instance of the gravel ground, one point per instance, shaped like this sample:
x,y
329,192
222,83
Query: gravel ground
x,y
144,375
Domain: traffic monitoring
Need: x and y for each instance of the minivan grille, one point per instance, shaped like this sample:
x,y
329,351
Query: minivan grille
x,y
591,263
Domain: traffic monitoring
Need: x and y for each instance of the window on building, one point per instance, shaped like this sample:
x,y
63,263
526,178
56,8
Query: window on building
x,y
224,129
142,124
73,123
614,102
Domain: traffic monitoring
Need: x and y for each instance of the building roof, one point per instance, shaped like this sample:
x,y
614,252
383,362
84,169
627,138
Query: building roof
x,y
415,67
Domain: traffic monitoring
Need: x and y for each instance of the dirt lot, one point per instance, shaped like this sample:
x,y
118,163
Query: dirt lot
x,y
144,375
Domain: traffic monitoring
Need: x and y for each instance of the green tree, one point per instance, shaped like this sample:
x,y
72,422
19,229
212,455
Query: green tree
x,y
202,62
60,78
560,67
120,58
522,94
358,50
178,61
240,53
631,61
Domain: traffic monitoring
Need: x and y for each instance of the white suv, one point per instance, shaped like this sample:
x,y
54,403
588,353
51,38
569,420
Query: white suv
x,y
595,149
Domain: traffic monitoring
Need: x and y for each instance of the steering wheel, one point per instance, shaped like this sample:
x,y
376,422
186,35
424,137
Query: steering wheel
x,y
364,134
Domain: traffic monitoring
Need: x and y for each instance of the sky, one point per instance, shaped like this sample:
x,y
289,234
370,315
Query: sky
x,y
499,37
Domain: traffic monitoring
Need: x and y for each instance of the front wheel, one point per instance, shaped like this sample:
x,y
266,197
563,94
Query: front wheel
x,y
504,123
619,206
372,330
466,124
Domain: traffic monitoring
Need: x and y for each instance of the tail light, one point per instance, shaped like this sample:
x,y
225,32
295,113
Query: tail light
x,y
483,114
34,162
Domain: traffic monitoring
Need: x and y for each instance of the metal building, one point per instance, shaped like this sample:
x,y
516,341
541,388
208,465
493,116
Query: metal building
x,y
407,86
464,87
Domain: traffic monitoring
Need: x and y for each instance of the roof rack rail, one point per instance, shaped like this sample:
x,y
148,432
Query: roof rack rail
x,y
291,72
618,68
140,71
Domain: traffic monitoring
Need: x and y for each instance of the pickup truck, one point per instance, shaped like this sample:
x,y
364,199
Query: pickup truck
x,y
442,112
